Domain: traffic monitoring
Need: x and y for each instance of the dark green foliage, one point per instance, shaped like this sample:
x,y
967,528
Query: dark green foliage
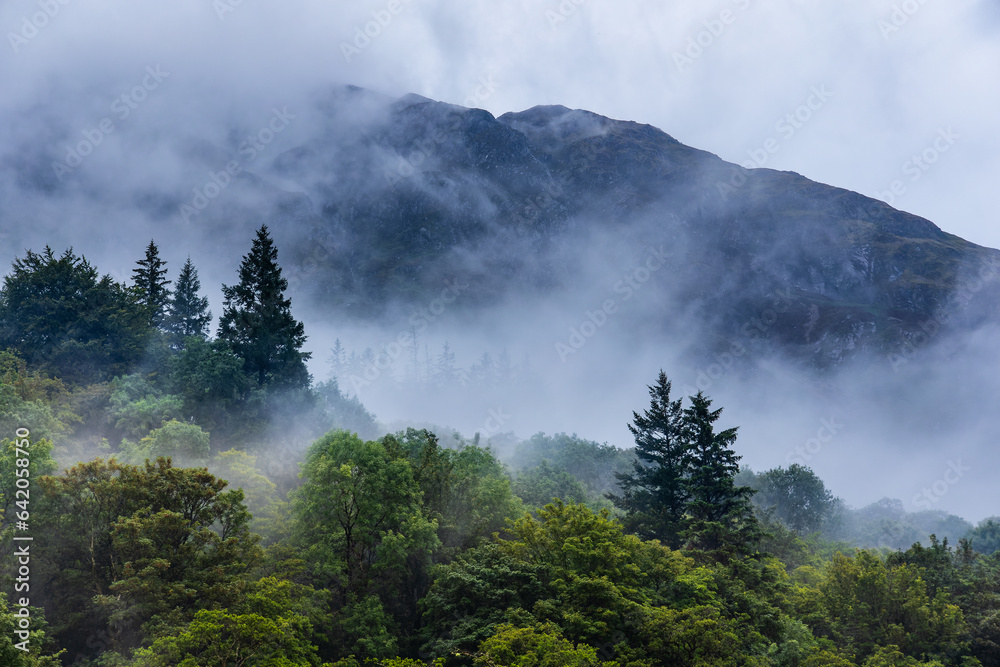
x,y
61,317
718,516
654,495
135,549
151,285
682,487
257,320
187,314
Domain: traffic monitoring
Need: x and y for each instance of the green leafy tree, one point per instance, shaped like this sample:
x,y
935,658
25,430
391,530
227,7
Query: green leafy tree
x,y
149,279
216,390
257,320
359,512
61,317
540,485
655,493
797,497
187,313
872,604
540,646
134,550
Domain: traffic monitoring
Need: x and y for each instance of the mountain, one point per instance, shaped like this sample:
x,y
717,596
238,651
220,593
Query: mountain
x,y
380,202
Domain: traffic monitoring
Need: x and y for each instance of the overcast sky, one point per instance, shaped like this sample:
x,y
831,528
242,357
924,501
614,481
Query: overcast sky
x,y
895,77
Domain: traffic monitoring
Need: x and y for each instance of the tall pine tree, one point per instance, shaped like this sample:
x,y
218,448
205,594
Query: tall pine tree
x,y
257,320
655,494
718,516
151,284
188,314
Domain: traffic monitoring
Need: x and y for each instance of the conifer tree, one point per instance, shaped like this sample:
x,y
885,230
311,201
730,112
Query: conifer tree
x,y
188,314
151,284
257,320
718,514
655,494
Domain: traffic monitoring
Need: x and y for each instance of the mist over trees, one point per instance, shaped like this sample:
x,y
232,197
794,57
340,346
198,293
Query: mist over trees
x,y
201,501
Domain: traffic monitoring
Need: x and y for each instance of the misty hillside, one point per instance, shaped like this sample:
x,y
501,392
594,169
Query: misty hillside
x,y
382,203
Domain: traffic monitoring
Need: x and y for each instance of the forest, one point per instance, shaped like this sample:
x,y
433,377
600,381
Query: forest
x,y
173,496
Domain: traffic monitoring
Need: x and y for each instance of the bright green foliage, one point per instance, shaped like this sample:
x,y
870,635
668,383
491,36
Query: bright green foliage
x,y
62,318
695,637
257,320
871,604
138,548
569,566
465,490
38,643
260,493
475,594
150,284
186,444
187,313
215,638
541,646
366,630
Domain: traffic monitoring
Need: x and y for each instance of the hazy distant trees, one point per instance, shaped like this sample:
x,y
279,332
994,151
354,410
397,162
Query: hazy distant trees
x,y
149,279
257,320
797,497
188,313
